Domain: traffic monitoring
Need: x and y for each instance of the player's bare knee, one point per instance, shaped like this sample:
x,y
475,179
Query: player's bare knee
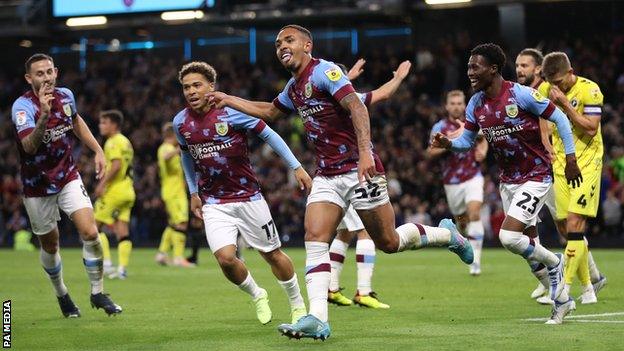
x,y
50,247
388,246
226,260
575,223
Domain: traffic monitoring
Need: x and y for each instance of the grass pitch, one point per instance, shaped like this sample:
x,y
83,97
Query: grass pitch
x,y
435,304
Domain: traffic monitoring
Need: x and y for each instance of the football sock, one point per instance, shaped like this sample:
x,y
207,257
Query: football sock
x,y
416,236
318,271
53,266
575,252
365,257
179,240
250,287
106,254
124,248
92,259
337,253
291,287
475,236
165,240
526,247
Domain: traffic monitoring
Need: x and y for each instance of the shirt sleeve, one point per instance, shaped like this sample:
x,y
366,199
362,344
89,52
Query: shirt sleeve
x,y
113,149
437,128
72,104
239,120
23,117
592,101
329,77
188,164
471,122
533,101
282,101
366,98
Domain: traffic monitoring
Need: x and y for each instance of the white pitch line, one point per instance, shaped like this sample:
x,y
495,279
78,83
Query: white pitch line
x,y
594,321
578,316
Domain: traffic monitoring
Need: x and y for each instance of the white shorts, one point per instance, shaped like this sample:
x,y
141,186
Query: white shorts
x,y
44,211
551,204
524,201
351,221
252,219
459,195
345,189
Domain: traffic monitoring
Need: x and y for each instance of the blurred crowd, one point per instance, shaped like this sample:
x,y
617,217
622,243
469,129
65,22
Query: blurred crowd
x,y
144,86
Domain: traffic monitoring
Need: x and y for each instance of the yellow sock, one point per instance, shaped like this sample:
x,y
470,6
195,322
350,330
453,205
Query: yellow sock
x,y
179,239
105,247
166,240
583,268
124,249
574,253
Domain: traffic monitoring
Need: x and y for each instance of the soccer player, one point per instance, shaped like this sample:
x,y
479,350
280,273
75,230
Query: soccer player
x,y
173,191
45,118
508,114
461,174
349,172
581,100
228,198
115,192
351,226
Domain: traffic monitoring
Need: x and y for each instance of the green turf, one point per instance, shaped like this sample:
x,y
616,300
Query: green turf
x,y
435,304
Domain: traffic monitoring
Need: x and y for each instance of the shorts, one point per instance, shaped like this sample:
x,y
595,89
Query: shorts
x,y
345,189
177,209
252,219
114,206
524,201
551,204
584,199
44,211
351,221
459,195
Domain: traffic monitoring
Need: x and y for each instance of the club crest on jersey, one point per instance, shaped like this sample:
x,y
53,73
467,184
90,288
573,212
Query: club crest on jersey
x,y
20,118
67,109
511,110
308,90
537,96
333,74
221,128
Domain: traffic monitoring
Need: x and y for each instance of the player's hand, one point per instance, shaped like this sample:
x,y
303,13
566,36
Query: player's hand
x,y
550,152
403,70
100,165
45,100
440,141
217,99
572,172
303,179
457,132
557,96
366,167
356,70
196,206
99,189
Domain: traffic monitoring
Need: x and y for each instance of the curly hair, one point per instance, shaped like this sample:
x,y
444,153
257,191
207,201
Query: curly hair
x,y
492,53
200,67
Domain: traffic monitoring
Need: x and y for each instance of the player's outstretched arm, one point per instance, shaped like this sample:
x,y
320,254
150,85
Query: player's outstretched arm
x,y
279,146
82,132
361,124
464,143
263,110
588,123
435,152
572,171
386,91
356,70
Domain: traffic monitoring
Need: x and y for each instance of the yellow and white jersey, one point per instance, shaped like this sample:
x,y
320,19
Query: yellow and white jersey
x,y
586,97
171,174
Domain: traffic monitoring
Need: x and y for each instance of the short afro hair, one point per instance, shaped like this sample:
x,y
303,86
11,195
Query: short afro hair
x,y
492,53
200,67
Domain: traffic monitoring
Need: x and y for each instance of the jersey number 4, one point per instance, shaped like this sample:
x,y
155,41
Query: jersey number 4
x,y
523,204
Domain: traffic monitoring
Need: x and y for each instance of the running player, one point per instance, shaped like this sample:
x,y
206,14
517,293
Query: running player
x,y
173,192
115,193
228,197
508,114
349,172
581,100
463,181
44,118
351,226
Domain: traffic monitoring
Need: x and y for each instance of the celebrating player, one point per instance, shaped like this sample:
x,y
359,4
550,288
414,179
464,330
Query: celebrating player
x,y
173,191
581,100
228,198
349,172
115,192
43,119
463,182
508,114
351,225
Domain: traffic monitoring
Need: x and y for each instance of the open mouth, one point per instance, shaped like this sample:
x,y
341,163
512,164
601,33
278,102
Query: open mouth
x,y
194,100
286,57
